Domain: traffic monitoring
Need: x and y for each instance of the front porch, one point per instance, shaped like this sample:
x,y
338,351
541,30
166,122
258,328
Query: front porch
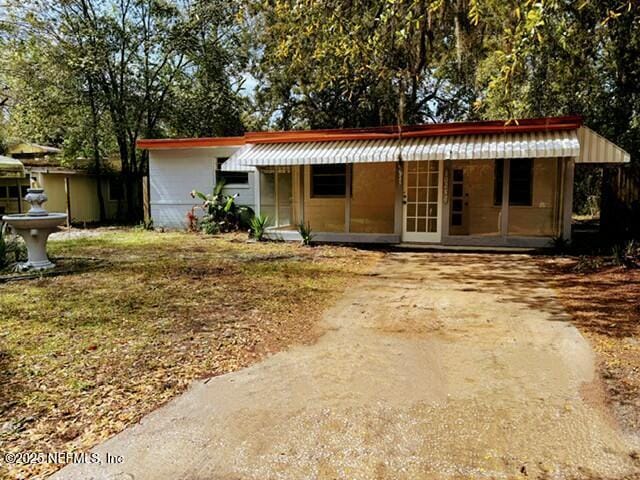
x,y
477,203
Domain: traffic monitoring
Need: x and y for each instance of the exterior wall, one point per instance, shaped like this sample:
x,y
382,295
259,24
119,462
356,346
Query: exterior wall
x,y
541,218
374,202
323,214
82,195
246,193
173,174
373,198
483,216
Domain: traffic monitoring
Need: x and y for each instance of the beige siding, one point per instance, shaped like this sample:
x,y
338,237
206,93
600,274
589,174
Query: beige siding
x,y
373,198
540,219
482,215
323,214
83,196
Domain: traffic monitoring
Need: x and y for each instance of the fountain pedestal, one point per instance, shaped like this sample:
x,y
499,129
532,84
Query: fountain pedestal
x,y
35,227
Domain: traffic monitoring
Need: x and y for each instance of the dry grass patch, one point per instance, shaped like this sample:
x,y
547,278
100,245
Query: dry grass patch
x,y
604,302
82,356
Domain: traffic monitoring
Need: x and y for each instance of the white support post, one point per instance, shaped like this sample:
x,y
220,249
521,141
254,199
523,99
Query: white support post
x,y
301,192
347,199
446,197
504,219
256,190
398,211
567,204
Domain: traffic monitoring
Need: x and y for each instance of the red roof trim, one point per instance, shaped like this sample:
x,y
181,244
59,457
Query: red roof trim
x,y
374,133
168,143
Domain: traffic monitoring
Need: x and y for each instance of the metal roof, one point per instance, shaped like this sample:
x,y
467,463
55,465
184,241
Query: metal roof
x,y
313,153
11,168
485,127
597,149
464,147
511,145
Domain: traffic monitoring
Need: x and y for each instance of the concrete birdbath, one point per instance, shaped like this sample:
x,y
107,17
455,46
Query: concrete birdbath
x,y
34,227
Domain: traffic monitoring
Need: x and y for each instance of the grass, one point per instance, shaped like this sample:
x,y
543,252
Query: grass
x,y
84,355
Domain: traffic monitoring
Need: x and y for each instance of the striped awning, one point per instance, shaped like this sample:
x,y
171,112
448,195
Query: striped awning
x,y
313,153
551,144
11,168
597,149
478,147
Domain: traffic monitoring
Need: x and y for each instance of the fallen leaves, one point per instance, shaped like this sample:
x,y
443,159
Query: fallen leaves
x,y
84,355
604,304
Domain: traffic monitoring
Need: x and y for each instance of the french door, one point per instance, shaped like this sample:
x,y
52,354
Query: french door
x,y
422,199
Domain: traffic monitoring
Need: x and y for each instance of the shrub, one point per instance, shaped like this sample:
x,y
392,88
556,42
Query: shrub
x,y
3,248
258,226
306,233
12,250
626,254
220,212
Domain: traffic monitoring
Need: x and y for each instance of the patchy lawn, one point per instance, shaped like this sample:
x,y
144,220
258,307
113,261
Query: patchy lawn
x,y
84,355
604,302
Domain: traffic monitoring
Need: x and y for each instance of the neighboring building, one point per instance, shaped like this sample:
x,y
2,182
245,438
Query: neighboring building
x,y
70,190
14,182
33,151
473,183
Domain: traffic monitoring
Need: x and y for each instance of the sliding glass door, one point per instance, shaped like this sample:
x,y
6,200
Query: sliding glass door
x,y
276,196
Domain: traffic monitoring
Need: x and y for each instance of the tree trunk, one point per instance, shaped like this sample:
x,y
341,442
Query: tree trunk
x,y
97,163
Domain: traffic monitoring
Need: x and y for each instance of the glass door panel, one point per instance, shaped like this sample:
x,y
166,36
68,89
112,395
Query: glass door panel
x,y
422,199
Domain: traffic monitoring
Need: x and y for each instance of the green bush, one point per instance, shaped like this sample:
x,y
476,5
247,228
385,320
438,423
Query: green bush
x,y
220,212
12,249
627,254
3,248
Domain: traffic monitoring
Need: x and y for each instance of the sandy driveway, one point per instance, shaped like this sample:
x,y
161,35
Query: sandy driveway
x,y
435,366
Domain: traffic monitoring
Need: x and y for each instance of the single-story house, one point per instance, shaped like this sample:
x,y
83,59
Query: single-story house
x,y
70,189
490,183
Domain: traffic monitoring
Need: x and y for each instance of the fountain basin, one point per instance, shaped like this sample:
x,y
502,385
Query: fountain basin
x,y
24,221
35,227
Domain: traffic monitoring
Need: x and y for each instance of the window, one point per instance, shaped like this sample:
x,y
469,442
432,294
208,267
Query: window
x,y
14,192
230,178
116,192
520,182
3,191
328,180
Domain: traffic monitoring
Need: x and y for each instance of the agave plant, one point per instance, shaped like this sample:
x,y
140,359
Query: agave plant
x,y
221,213
259,226
306,233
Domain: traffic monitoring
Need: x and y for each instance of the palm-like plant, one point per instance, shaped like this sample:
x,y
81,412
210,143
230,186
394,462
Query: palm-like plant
x,y
221,213
259,225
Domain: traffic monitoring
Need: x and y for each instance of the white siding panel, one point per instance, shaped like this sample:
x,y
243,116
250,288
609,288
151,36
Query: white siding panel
x,y
174,173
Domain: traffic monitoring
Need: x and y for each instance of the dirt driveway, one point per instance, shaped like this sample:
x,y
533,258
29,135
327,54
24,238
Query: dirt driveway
x,y
434,366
